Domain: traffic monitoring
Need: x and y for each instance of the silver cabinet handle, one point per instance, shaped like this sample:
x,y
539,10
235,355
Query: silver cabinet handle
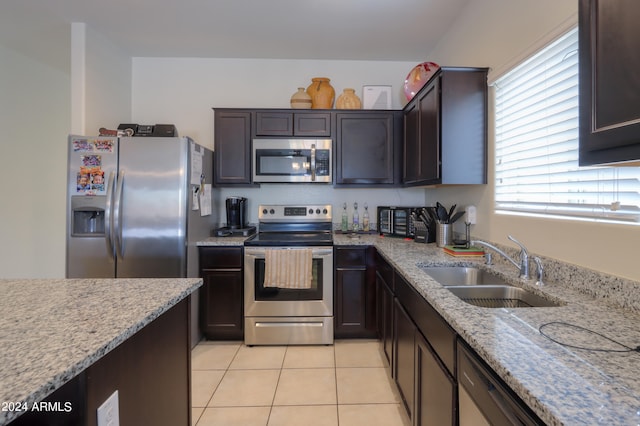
x,y
313,162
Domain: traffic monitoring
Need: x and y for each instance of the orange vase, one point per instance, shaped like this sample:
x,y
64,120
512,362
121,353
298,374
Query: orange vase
x,y
348,100
321,92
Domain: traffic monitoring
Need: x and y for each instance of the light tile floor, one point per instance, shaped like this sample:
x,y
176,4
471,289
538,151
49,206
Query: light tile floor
x,y
345,384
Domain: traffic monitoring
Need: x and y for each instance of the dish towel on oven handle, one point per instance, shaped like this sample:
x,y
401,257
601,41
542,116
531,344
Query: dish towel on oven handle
x,y
288,268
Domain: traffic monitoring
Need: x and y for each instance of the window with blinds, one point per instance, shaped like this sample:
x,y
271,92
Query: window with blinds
x,y
536,107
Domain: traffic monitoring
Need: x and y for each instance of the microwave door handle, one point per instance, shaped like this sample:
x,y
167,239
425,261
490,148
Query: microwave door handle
x,y
313,162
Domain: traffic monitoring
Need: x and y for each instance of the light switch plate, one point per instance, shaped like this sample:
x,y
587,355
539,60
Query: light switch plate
x,y
108,413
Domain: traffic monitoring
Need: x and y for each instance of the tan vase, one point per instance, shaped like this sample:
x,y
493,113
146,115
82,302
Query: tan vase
x,y
322,93
300,99
348,100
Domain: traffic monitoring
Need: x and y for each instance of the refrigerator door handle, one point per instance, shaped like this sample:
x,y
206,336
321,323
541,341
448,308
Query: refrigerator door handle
x,y
108,216
117,216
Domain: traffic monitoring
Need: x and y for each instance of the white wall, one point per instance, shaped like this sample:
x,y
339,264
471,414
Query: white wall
x,y
184,91
496,33
108,84
34,118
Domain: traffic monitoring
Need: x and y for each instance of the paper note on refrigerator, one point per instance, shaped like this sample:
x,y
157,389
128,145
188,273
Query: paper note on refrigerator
x,y
197,155
205,200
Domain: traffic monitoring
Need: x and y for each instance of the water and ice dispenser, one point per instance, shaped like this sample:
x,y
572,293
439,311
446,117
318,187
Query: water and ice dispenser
x,y
87,216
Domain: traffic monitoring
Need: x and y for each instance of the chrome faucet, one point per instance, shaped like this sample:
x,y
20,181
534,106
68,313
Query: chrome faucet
x,y
523,266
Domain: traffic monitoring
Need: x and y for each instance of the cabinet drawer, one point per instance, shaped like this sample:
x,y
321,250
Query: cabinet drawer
x,y
221,257
439,334
350,257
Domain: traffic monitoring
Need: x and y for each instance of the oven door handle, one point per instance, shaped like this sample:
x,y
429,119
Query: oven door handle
x,y
259,253
313,162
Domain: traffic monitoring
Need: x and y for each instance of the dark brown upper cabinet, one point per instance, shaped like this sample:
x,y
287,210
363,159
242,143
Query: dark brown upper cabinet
x,y
368,148
609,81
288,123
445,129
232,147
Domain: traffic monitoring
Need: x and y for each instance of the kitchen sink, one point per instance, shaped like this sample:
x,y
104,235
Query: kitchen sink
x,y
500,296
462,276
483,288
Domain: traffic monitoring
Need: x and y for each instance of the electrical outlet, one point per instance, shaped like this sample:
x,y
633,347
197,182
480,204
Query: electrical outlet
x,y
108,414
470,215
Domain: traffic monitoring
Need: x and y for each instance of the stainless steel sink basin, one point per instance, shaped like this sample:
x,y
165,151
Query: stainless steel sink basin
x,y
460,275
500,296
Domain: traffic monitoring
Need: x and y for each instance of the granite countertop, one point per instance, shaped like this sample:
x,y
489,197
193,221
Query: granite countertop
x,y
563,385
53,329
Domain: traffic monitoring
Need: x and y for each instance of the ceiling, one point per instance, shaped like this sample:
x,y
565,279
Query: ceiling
x,y
396,30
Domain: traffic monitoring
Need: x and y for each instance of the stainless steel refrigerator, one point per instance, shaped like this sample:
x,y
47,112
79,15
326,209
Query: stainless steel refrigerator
x,y
137,206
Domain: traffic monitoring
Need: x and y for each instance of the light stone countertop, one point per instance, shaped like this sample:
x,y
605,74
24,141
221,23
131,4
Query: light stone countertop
x,y
563,385
53,329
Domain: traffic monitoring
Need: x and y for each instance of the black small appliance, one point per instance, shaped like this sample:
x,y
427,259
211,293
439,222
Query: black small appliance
x,y
236,212
397,221
237,225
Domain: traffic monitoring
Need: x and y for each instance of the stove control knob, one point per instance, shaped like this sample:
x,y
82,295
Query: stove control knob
x,y
264,211
325,211
317,211
310,211
272,211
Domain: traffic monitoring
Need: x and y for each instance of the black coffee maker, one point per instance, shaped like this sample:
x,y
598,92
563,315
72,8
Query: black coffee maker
x,y
236,212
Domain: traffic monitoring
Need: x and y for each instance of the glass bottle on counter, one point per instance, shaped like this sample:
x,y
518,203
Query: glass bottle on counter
x,y
356,218
344,226
365,218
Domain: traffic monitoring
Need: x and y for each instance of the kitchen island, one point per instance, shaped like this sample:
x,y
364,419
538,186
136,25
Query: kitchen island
x,y
67,344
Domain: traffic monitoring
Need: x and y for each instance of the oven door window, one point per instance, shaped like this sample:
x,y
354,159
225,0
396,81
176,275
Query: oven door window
x,y
287,294
273,162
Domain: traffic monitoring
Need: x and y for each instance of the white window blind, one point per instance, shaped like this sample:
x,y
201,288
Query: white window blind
x,y
536,123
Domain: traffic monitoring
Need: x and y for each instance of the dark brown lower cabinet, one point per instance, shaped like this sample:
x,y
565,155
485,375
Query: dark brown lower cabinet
x,y
354,292
222,293
434,388
404,356
424,351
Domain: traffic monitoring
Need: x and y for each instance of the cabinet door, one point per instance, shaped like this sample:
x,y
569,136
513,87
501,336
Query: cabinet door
x,y
430,137
411,163
435,402
222,299
384,298
365,148
312,124
287,123
355,304
422,137
272,123
404,355
609,84
232,148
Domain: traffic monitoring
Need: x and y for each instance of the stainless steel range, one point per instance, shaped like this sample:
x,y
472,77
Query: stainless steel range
x,y
288,275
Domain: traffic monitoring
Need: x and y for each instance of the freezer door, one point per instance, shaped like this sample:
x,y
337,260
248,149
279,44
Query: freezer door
x,y
91,161
150,207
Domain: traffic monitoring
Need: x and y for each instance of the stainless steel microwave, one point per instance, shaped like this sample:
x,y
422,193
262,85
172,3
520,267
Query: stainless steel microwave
x,y
291,160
